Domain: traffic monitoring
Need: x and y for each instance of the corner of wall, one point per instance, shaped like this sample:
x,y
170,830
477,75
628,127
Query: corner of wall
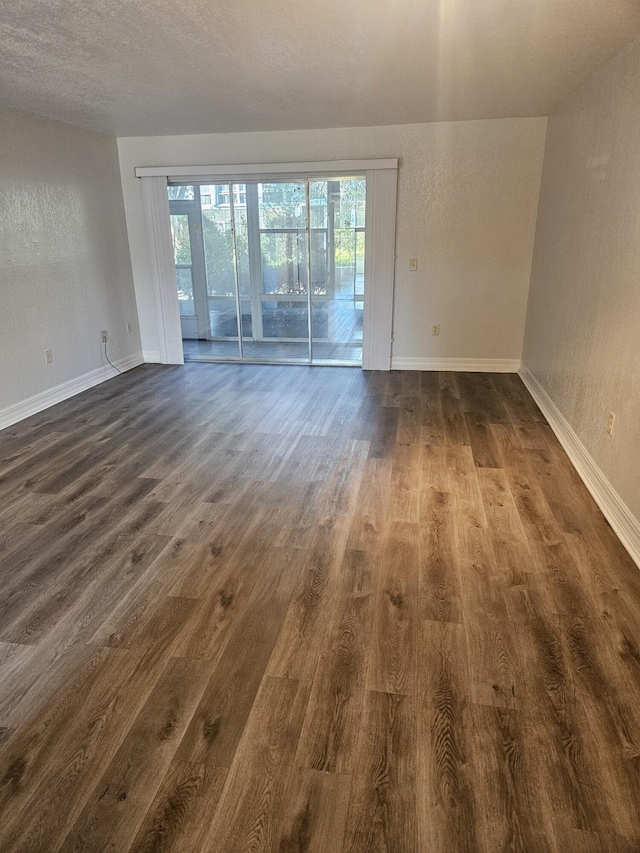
x,y
625,525
535,239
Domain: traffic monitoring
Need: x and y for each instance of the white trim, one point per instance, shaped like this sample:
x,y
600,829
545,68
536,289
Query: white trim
x,y
163,274
261,169
379,271
624,523
468,365
151,356
128,362
19,411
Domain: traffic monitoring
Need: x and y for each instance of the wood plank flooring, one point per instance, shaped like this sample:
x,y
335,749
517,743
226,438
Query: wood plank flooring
x,y
311,610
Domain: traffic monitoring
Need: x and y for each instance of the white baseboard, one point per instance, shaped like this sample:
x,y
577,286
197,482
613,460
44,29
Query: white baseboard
x,y
468,365
129,362
151,356
625,525
24,409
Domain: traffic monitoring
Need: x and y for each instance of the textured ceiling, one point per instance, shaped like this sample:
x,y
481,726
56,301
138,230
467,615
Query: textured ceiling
x,y
149,67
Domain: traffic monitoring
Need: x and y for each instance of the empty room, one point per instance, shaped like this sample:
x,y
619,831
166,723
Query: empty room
x,y
320,426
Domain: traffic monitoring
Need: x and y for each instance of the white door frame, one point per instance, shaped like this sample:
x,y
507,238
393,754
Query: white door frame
x,y
380,228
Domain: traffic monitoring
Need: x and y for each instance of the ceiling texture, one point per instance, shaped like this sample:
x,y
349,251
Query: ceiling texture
x,y
155,67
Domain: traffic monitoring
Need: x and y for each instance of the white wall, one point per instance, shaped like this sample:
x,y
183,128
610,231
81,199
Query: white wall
x,y
583,326
467,200
65,271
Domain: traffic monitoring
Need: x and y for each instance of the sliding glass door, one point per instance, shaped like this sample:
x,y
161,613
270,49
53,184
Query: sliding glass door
x,y
271,271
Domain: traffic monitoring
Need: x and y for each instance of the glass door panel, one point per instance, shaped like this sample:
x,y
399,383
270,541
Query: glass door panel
x,y
282,206
224,324
283,263
286,258
337,206
283,283
183,264
189,267
220,267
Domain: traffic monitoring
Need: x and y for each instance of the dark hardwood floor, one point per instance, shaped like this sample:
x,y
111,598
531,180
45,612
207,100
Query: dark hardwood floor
x,y
311,610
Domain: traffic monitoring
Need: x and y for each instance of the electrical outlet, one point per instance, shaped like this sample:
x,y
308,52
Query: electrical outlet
x,y
610,423
103,336
435,329
128,328
413,264
47,356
